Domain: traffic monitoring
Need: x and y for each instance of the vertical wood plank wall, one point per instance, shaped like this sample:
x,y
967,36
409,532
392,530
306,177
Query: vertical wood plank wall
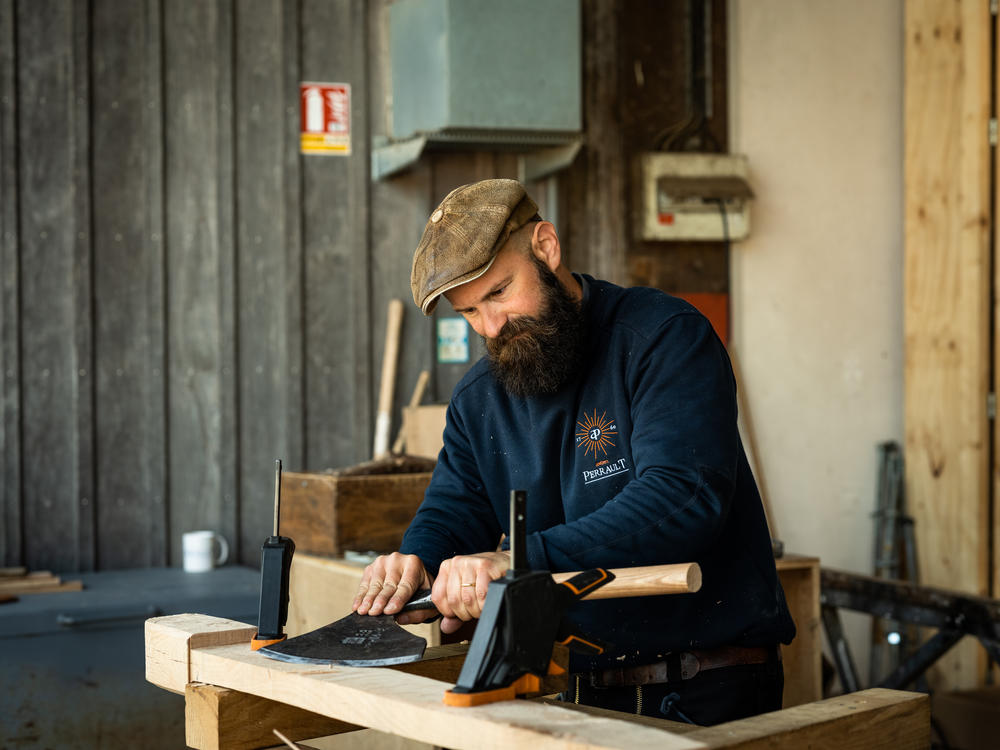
x,y
946,323
186,298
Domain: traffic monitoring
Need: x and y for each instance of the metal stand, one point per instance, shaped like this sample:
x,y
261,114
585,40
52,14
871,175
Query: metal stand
x,y
954,615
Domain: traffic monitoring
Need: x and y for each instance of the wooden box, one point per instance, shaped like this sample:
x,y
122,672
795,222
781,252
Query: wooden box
x,y
361,508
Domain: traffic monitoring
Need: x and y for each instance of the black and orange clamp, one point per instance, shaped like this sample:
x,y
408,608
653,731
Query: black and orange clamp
x,y
521,620
275,568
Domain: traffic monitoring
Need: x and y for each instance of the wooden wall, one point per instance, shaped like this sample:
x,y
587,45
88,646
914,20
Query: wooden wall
x,y
186,298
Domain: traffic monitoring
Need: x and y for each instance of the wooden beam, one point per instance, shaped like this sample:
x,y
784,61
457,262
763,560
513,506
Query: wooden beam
x,y
875,718
218,718
388,700
223,719
946,299
169,641
411,704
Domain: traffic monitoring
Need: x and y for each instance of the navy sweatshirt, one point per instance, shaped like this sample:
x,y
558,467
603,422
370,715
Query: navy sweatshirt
x,y
637,461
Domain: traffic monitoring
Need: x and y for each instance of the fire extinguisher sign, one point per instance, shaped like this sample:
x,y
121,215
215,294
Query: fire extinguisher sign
x,y
326,118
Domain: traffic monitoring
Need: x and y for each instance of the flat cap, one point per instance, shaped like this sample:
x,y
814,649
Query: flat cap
x,y
464,235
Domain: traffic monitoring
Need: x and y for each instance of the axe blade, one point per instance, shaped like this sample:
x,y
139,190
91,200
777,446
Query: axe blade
x,y
352,641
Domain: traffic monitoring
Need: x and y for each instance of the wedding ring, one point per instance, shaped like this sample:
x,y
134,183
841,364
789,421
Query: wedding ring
x,y
469,584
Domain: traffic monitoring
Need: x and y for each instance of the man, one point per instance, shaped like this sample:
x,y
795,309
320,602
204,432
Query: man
x,y
615,409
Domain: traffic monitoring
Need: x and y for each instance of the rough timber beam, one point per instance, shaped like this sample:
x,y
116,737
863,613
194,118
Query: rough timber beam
x,y
411,705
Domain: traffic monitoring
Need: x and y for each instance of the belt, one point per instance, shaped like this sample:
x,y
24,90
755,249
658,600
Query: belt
x,y
683,665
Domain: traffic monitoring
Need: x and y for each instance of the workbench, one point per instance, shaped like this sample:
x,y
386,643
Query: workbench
x,y
322,590
235,697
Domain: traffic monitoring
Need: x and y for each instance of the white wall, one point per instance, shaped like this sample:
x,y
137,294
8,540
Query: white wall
x,y
817,299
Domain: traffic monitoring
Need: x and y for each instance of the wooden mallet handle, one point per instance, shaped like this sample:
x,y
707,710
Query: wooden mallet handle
x,y
650,580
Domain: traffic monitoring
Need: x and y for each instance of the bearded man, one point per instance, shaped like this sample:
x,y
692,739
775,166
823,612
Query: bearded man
x,y
615,409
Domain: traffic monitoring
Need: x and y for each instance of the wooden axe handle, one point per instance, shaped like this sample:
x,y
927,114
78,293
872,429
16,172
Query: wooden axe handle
x,y
651,580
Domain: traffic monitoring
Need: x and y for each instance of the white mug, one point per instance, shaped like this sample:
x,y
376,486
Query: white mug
x,y
198,553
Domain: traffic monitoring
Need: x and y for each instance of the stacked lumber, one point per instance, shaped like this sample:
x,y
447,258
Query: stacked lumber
x,y
16,581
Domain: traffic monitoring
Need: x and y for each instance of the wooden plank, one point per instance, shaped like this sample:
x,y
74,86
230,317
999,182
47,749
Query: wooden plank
x,y
11,542
411,705
802,658
39,586
169,641
293,27
221,718
597,242
269,264
83,303
54,372
130,419
388,700
218,718
674,727
875,718
195,262
994,676
228,451
946,324
342,365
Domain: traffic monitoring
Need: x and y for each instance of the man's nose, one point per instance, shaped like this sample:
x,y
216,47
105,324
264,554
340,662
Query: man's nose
x,y
493,321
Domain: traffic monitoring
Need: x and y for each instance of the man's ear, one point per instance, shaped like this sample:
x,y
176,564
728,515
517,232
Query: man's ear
x,y
545,244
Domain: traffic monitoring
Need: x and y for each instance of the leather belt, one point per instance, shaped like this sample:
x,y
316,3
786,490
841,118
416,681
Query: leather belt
x,y
683,665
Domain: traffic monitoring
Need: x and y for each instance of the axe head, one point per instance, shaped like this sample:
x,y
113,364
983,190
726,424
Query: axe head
x,y
352,641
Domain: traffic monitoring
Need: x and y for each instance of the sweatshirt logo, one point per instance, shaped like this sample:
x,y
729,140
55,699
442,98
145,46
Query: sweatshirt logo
x,y
597,434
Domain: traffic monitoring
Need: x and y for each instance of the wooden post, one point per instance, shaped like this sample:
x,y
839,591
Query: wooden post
x,y
946,311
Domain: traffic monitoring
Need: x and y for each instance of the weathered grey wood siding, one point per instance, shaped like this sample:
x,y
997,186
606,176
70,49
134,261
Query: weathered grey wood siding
x,y
186,298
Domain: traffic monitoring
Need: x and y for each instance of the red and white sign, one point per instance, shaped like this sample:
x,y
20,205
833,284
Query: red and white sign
x,y
325,110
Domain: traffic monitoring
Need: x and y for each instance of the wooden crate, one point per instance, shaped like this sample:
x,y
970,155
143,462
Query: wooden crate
x,y
362,508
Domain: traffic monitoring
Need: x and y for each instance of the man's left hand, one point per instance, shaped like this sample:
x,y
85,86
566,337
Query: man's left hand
x,y
460,587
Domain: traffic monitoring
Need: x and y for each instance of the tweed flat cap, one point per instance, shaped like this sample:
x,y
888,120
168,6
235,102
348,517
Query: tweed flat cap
x,y
464,235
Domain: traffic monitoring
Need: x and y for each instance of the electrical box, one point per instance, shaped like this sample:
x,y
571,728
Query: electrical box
x,y
467,69
693,197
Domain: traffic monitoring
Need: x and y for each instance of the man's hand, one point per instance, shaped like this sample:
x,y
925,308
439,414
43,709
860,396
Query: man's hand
x,y
389,583
460,588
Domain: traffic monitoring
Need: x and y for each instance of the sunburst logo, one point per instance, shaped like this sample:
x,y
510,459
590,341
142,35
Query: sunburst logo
x,y
594,433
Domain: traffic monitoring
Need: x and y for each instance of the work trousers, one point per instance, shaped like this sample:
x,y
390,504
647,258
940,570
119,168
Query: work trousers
x,y
710,697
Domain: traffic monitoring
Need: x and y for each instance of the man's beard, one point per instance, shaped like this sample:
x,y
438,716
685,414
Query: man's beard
x,y
537,356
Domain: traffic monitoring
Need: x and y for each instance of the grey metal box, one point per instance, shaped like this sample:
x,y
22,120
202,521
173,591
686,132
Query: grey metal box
x,y
461,65
74,662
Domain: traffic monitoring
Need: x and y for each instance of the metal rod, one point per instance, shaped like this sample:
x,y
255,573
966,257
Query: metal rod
x,y
277,493
918,662
841,651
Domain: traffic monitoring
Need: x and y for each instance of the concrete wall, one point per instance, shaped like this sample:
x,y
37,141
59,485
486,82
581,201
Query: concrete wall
x,y
817,296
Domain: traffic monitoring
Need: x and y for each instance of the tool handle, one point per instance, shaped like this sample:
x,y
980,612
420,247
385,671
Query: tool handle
x,y
420,600
390,356
650,580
